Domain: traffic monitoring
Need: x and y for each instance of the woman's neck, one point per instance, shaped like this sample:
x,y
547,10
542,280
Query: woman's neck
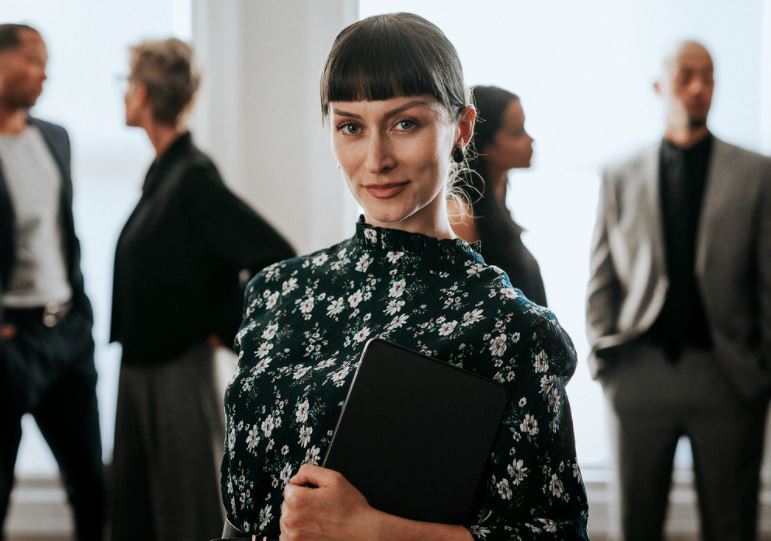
x,y
498,180
432,220
162,135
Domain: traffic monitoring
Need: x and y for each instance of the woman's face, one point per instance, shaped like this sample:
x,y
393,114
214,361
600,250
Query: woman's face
x,y
395,155
512,146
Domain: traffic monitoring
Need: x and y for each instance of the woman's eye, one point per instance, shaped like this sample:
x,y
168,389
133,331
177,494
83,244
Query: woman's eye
x,y
406,124
349,129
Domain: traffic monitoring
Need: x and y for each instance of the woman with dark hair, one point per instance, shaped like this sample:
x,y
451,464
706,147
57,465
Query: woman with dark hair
x,y
392,92
176,296
501,144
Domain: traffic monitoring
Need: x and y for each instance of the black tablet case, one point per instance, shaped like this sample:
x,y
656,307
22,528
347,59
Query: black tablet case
x,y
415,433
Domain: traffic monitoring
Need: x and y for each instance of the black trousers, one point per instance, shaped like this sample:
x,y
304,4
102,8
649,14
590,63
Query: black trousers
x,y
49,373
654,403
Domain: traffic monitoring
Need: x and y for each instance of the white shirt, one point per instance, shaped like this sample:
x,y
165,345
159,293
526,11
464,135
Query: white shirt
x,y
34,183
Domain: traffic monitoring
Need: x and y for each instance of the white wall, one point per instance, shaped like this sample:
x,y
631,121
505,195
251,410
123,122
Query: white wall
x,y
259,111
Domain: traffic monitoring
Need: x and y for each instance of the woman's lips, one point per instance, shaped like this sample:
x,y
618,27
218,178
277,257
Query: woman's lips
x,y
386,190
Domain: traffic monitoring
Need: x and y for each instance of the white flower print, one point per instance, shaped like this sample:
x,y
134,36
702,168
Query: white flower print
x,y
508,293
338,378
231,439
504,490
312,456
261,366
393,257
370,235
529,425
268,425
300,370
319,259
355,298
398,321
323,365
522,402
289,286
305,435
302,411
335,307
270,331
252,438
362,335
517,471
478,531
363,263
474,269
555,486
541,363
264,349
306,305
394,306
498,346
546,383
272,300
447,328
266,515
286,473
397,288
474,316
554,399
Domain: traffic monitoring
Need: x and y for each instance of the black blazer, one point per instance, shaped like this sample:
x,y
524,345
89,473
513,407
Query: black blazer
x,y
58,143
179,258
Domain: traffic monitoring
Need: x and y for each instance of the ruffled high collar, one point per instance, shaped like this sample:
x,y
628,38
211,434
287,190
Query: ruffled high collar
x,y
423,247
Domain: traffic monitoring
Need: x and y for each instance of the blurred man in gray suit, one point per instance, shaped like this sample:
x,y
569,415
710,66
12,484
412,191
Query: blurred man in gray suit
x,y
679,311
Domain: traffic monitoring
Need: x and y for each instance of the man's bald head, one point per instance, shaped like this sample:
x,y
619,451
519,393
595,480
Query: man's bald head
x,y
684,52
686,85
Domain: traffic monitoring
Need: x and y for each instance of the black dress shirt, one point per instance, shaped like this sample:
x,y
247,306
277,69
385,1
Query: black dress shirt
x,y
682,321
179,258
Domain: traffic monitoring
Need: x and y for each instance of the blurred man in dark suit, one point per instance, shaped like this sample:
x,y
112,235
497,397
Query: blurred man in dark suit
x,y
46,346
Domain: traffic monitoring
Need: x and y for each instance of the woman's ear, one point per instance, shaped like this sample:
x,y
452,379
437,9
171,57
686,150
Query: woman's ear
x,y
466,126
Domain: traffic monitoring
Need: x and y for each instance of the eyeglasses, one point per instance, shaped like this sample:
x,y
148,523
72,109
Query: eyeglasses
x,y
122,83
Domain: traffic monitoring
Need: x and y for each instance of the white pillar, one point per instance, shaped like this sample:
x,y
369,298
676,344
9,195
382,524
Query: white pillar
x,y
765,88
259,115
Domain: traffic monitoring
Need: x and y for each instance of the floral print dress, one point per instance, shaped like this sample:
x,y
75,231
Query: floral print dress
x,y
306,321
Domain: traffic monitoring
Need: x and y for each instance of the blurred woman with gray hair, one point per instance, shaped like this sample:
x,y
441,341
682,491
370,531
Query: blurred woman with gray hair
x,y
177,295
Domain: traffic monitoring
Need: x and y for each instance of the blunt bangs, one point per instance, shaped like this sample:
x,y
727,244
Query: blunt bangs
x,y
389,56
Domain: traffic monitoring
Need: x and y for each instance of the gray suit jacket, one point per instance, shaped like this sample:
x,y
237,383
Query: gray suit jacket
x,y
629,282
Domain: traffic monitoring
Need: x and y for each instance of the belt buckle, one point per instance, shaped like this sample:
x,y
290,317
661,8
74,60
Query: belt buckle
x,y
52,314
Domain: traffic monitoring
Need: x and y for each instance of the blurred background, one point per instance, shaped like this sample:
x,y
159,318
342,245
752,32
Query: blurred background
x,y
584,72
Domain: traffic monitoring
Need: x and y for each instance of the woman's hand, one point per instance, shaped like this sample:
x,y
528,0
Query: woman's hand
x,y
214,342
334,510
7,332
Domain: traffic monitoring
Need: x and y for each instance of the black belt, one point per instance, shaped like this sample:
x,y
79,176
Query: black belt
x,y
49,315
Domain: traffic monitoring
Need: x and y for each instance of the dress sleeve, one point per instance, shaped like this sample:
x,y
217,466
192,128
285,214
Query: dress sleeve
x,y
532,487
228,227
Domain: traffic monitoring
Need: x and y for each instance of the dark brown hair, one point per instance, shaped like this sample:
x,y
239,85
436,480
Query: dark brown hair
x,y
387,56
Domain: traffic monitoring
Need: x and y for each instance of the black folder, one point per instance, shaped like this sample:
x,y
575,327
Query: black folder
x,y
415,433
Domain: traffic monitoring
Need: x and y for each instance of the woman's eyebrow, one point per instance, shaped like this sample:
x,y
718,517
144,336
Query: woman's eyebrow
x,y
393,112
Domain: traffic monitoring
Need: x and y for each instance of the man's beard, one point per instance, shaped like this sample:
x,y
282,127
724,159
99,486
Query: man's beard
x,y
19,100
697,123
